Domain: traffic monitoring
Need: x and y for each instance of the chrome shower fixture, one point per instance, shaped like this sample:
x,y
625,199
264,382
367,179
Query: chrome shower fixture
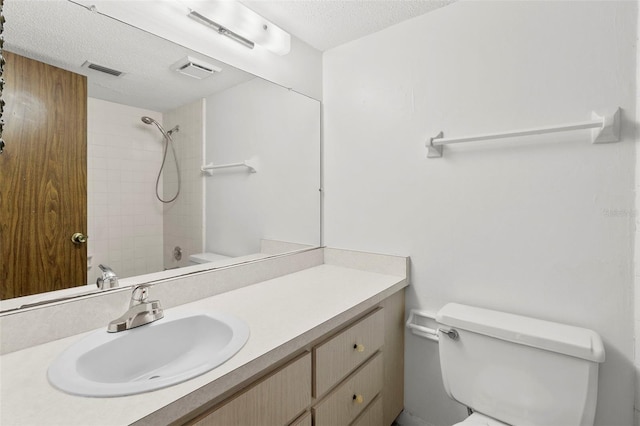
x,y
175,129
167,141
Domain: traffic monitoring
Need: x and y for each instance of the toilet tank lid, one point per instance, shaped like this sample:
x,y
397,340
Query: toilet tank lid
x,y
207,257
551,336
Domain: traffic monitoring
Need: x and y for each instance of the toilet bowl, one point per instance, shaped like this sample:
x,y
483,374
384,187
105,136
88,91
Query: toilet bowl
x,y
477,419
199,258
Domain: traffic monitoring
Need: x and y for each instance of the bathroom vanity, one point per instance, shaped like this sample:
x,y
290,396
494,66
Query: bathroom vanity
x,y
326,348
352,376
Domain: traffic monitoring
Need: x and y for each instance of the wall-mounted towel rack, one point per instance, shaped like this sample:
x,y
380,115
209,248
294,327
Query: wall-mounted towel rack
x,y
251,164
605,129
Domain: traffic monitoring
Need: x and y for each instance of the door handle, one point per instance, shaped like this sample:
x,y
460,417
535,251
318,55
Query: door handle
x,y
79,238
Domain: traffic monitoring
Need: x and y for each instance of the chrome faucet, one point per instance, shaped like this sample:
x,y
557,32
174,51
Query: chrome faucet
x,y
108,279
141,311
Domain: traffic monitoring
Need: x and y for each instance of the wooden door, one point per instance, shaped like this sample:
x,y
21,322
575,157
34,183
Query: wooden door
x,y
43,175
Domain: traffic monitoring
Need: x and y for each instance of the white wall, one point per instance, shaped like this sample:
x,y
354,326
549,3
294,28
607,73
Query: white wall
x,y
124,217
183,218
525,226
281,201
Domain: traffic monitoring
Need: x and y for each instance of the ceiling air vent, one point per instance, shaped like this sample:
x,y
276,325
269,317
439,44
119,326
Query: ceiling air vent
x,y
195,68
102,68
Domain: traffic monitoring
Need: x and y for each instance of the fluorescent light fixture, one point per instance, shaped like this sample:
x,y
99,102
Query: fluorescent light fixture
x,y
220,29
234,20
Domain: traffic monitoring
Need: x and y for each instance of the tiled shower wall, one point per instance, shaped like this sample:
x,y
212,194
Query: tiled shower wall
x,y
124,216
183,218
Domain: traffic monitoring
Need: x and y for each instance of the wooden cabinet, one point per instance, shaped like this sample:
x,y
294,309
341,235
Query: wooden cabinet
x,y
353,376
352,396
303,420
372,416
275,400
342,353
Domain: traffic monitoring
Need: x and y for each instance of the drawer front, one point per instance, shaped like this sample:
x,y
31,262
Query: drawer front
x,y
340,355
372,416
349,399
304,420
276,400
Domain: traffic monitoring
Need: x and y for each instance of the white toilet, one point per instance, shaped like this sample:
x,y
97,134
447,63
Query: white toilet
x,y
198,258
517,370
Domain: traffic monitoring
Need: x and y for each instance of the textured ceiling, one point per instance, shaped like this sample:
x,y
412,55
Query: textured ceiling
x,y
66,35
324,24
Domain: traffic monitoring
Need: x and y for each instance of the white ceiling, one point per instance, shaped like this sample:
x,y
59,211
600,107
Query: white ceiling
x,y
66,35
324,24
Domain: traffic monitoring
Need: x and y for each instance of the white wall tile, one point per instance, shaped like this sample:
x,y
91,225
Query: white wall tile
x,y
183,219
118,173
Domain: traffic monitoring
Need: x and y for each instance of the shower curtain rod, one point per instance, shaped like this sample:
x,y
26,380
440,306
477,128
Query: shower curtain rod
x,y
606,129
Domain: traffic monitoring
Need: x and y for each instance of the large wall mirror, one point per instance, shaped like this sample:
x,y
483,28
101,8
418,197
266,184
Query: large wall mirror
x,y
120,162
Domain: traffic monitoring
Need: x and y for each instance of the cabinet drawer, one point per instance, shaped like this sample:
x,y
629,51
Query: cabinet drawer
x,y
304,420
349,399
276,400
340,355
372,416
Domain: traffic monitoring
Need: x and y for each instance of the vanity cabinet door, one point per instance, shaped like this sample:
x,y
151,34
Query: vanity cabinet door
x,y
351,397
340,355
304,420
275,400
372,415
357,386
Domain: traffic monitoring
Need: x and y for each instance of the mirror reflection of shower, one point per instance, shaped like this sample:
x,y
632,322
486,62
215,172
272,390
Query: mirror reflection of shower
x,y
168,141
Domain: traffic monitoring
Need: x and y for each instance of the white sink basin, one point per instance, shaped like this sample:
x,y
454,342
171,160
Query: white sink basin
x,y
153,356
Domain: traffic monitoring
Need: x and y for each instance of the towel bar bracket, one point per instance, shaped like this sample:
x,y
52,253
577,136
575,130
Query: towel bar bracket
x,y
434,151
610,130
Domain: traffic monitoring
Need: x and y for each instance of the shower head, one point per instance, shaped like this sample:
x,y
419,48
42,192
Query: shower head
x,y
149,120
167,142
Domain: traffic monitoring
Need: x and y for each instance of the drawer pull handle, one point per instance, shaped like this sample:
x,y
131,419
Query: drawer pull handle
x,y
358,399
358,347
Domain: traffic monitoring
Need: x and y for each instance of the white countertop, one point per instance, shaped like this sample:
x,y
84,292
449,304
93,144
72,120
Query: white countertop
x,y
281,314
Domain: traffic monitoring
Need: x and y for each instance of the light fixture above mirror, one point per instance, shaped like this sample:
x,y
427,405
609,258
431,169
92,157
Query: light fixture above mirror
x,y
228,18
240,23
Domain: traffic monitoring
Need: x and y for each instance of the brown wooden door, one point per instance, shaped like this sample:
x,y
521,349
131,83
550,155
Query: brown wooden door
x,y
43,175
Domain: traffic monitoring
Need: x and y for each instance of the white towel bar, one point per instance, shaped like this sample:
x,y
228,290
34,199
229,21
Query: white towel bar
x,y
250,164
606,129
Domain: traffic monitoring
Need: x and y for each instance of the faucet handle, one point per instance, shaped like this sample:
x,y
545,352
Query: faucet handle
x,y
108,278
106,270
141,311
139,295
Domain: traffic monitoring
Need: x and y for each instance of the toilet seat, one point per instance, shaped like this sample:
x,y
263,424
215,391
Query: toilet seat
x,y
477,419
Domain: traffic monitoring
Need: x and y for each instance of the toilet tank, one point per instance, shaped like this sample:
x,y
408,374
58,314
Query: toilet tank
x,y
198,258
519,370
